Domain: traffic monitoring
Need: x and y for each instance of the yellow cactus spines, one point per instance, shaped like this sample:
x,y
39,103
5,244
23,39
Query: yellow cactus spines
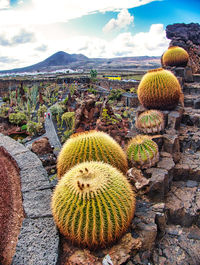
x,y
150,121
175,56
159,89
93,204
91,146
142,152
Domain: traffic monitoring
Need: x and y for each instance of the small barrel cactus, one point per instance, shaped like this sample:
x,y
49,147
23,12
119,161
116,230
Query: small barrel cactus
x,y
142,152
150,121
159,89
93,204
175,56
91,146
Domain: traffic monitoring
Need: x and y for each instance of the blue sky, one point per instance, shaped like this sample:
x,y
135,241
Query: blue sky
x,y
31,30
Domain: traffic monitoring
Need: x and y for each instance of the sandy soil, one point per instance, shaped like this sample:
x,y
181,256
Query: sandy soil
x,y
11,211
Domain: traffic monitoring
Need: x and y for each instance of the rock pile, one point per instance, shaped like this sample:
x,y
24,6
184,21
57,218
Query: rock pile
x,y
186,36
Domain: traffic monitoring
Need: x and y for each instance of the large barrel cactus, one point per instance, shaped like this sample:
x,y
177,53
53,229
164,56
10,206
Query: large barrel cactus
x,y
93,204
150,121
175,56
159,89
91,146
142,152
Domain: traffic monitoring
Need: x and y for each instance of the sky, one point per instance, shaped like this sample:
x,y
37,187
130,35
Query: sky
x,y
32,30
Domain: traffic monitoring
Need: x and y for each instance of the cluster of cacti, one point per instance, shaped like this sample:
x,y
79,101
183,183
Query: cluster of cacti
x,y
175,56
150,121
69,118
91,146
142,152
93,204
159,89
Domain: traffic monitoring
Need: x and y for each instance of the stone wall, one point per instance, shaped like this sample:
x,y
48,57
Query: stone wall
x,y
115,84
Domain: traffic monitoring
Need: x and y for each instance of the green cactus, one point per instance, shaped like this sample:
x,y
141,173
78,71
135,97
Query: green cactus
x,y
159,89
93,204
91,146
150,121
175,56
142,152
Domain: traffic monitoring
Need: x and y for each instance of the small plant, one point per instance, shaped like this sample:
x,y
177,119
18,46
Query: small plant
x,y
34,127
41,111
142,152
159,89
93,75
24,127
90,146
93,204
69,118
56,109
105,117
175,56
17,118
150,121
4,111
115,94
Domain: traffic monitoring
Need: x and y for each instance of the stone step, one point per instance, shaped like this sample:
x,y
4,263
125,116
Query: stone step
x,y
196,78
180,245
183,203
192,100
190,88
188,167
189,139
191,117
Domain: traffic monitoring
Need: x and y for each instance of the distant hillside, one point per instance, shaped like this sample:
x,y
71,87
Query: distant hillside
x,y
63,60
58,59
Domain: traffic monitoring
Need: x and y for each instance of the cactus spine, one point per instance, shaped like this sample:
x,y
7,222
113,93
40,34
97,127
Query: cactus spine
x,y
175,56
91,146
150,121
93,204
159,89
142,152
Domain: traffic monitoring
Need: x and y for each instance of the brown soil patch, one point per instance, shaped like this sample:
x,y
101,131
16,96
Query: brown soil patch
x,y
11,210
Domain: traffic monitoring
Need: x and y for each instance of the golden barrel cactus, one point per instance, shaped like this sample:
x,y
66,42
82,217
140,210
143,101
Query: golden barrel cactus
x,y
93,204
150,121
159,89
175,56
142,152
91,146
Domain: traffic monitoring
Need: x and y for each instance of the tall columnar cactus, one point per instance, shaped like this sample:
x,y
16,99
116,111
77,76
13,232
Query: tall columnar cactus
x,y
175,56
159,89
142,152
93,204
150,121
91,146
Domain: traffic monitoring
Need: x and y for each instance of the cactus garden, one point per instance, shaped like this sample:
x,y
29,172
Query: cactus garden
x,y
102,167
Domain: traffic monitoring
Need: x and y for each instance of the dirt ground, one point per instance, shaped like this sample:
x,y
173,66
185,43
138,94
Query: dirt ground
x,y
11,211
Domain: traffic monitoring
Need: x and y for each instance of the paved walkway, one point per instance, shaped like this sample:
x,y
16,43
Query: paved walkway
x,y
52,135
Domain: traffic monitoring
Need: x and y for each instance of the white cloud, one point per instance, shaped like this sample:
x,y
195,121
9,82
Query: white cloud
x,y
124,19
152,43
51,11
4,4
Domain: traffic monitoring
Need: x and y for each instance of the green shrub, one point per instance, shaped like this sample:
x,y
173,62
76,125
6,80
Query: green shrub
x,y
41,111
56,109
69,118
4,111
17,118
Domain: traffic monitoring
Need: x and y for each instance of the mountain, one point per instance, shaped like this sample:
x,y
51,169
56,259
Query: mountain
x,y
56,60
63,60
